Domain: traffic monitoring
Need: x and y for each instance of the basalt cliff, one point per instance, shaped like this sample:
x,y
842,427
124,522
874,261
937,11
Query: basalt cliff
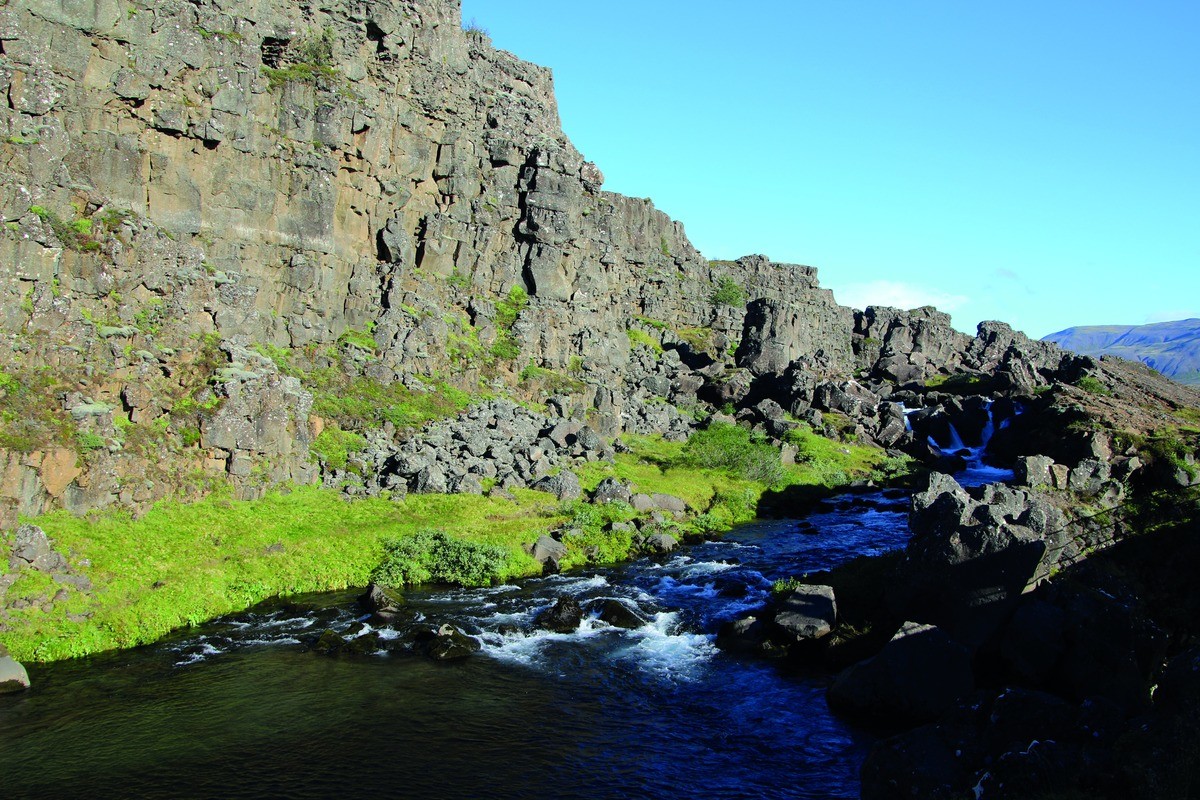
x,y
262,243
213,212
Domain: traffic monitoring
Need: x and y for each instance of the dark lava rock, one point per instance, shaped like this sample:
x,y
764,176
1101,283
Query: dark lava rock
x,y
808,612
745,635
918,763
1034,640
915,678
446,643
563,617
611,490
329,644
549,553
363,645
619,615
32,547
564,485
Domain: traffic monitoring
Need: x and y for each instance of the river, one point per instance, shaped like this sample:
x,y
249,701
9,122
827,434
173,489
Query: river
x,y
242,708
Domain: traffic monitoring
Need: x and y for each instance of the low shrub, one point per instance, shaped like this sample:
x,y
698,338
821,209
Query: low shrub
x,y
727,293
735,450
433,555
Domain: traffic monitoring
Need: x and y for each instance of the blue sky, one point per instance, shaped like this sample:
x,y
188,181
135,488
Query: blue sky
x,y
1034,162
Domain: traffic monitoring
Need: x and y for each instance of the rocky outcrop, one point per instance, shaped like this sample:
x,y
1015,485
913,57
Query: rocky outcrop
x,y
917,677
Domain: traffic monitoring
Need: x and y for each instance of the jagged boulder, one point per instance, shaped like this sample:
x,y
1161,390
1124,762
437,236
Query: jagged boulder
x,y
382,600
445,643
611,490
807,612
548,552
915,678
620,615
33,548
564,485
973,553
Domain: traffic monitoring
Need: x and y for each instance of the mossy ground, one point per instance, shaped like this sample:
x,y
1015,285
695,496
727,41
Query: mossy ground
x,y
182,564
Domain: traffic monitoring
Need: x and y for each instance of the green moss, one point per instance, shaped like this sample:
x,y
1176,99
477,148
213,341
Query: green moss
x,y
656,324
638,336
550,380
509,309
361,403
75,234
89,441
311,61
362,339
699,339
31,417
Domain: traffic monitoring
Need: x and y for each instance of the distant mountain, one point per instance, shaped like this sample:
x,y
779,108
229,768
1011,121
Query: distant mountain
x,y
1172,348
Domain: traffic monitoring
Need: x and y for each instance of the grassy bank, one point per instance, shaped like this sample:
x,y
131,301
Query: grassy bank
x,y
183,564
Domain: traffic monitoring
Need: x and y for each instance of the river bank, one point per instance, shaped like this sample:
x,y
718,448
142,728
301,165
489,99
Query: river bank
x,y
129,582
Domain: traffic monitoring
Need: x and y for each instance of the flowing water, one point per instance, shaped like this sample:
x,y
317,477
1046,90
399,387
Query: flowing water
x,y
243,708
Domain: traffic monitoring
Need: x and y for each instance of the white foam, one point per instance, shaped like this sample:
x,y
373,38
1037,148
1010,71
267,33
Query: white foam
x,y
705,568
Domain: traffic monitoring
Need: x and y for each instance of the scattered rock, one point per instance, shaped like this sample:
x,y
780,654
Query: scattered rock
x,y
445,643
549,553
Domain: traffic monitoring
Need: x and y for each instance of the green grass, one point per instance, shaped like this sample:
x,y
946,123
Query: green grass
x,y
1093,386
637,336
180,564
723,494
334,446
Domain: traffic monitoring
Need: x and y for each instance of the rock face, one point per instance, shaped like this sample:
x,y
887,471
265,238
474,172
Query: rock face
x,y
198,193
214,214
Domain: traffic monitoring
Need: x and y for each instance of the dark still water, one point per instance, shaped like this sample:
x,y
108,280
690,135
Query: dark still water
x,y
240,708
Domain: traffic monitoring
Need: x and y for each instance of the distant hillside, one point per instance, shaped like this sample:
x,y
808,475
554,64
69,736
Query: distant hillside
x,y
1172,348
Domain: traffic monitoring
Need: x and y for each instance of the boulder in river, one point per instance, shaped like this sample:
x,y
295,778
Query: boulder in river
x,y
382,600
445,643
806,613
619,615
563,617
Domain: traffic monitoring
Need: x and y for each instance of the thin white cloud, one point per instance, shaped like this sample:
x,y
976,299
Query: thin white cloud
x,y
898,294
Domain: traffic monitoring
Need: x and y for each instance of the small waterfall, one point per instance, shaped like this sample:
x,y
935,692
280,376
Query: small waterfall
x,y
975,471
